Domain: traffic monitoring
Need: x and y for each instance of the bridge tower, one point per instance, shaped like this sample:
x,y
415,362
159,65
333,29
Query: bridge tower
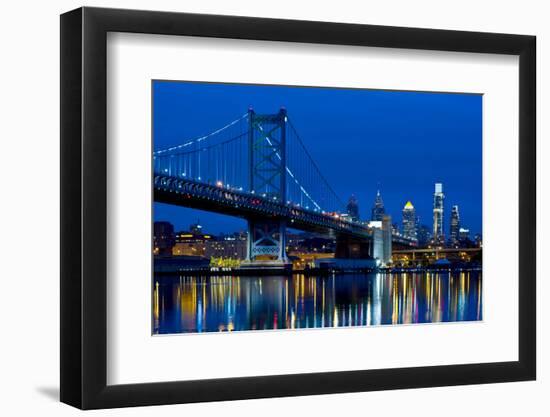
x,y
267,178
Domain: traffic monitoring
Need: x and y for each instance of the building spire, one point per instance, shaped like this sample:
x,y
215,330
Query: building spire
x,y
439,197
378,210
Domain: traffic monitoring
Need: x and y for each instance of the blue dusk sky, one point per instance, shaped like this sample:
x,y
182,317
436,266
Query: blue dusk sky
x,y
362,140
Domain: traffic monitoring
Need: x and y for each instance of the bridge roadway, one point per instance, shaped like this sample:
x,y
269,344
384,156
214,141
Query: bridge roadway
x,y
199,195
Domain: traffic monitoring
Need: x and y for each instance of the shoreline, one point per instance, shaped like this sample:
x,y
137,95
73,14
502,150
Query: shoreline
x,y
320,272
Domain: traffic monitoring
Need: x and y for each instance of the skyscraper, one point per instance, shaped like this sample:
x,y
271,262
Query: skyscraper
x,y
409,221
438,234
424,235
378,208
353,208
386,239
455,225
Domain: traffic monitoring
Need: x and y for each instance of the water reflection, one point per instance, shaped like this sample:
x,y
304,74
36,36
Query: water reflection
x,y
184,304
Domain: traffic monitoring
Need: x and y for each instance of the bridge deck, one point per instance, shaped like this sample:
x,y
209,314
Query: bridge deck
x,y
193,194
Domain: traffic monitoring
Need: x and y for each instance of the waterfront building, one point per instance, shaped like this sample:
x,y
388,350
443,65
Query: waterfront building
x,y
353,208
378,208
232,246
191,243
188,248
455,226
163,238
439,197
464,234
409,221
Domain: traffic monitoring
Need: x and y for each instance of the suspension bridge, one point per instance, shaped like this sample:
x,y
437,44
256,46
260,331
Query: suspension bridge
x,y
257,167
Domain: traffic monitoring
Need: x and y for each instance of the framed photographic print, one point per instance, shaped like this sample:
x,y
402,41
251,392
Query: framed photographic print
x,y
257,208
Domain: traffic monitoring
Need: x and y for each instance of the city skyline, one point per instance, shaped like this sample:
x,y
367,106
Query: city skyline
x,y
413,141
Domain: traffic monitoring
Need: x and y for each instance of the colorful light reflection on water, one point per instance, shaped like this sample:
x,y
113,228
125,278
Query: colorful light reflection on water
x,y
183,304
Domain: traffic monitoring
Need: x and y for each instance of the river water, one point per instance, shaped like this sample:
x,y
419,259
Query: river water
x,y
183,304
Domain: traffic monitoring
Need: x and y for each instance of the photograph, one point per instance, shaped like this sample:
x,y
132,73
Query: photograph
x,y
279,207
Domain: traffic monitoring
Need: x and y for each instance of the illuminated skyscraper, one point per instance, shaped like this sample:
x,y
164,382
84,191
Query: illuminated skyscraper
x,y
455,225
409,221
353,208
439,197
378,208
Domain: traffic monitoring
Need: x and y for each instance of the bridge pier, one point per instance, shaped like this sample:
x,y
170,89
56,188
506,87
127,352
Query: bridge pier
x,y
266,245
351,254
352,248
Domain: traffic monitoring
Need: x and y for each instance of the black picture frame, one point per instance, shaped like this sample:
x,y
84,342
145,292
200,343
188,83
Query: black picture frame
x,y
84,207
